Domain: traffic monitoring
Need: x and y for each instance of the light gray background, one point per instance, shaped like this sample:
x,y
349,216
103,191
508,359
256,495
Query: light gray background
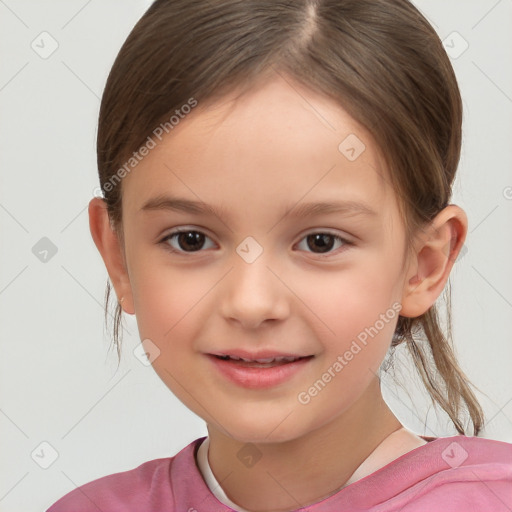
x,y
59,383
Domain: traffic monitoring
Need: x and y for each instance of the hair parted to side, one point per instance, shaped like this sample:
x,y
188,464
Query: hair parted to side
x,y
379,59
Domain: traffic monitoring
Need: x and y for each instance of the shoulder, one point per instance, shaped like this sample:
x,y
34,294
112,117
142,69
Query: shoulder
x,y
462,473
126,491
140,489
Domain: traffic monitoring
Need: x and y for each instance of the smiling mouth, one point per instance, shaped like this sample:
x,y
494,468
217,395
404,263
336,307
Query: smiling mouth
x,y
268,362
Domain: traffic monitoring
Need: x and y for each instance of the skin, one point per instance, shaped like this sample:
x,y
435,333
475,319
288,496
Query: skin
x,y
255,158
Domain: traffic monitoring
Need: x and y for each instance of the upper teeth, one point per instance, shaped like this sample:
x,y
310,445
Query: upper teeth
x,y
265,360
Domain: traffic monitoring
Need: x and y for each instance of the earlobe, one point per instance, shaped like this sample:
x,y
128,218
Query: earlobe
x,y
433,260
109,246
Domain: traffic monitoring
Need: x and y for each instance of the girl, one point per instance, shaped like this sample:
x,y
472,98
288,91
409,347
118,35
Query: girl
x,y
276,180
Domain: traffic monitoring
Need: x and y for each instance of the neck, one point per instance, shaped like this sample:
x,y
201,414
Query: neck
x,y
302,471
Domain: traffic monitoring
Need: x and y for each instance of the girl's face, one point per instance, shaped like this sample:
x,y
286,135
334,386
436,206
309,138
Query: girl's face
x,y
253,280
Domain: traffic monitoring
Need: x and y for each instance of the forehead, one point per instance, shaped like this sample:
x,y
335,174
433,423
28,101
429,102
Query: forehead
x,y
278,142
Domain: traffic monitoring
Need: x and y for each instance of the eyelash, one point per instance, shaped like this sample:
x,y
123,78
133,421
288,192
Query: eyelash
x,y
177,232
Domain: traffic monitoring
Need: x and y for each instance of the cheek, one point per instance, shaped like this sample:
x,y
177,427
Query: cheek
x,y
346,302
362,314
167,302
166,307
354,313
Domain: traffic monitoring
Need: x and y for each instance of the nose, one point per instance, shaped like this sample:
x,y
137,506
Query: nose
x,y
253,294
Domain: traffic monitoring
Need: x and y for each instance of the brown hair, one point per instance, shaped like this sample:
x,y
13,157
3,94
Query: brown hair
x,y
379,59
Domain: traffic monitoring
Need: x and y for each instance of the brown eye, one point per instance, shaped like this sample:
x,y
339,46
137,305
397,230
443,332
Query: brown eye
x,y
186,241
191,240
321,243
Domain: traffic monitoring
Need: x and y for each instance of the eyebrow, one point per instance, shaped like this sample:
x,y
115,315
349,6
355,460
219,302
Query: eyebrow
x,y
346,207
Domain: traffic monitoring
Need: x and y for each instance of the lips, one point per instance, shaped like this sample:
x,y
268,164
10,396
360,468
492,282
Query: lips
x,y
258,370
238,353
261,362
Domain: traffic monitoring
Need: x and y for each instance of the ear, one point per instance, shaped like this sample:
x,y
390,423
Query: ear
x,y
110,248
433,258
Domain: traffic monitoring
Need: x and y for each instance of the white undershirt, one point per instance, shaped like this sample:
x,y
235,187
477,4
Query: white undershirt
x,y
209,478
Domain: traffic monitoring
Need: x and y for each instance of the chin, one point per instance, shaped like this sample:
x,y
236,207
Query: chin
x,y
260,430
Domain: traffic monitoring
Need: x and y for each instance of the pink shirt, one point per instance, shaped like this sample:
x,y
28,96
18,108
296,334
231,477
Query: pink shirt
x,y
448,474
